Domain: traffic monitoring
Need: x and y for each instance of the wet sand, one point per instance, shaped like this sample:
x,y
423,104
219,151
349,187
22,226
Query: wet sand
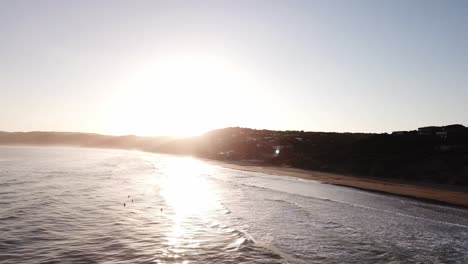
x,y
441,195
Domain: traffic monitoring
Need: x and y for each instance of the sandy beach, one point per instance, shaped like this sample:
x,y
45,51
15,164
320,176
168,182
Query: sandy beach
x,y
435,194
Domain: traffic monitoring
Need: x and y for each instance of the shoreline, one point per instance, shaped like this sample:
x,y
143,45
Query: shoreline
x,y
427,193
431,193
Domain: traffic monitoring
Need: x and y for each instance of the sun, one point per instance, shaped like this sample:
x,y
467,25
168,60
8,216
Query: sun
x,y
178,96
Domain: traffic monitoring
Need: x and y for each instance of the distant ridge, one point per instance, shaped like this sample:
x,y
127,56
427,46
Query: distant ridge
x,y
433,154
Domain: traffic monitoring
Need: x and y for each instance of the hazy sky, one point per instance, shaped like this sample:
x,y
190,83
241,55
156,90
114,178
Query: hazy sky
x,y
181,68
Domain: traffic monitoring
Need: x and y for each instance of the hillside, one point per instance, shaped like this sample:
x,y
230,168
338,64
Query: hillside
x,y
429,155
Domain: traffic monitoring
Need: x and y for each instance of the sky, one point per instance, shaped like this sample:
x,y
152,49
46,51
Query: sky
x,y
181,68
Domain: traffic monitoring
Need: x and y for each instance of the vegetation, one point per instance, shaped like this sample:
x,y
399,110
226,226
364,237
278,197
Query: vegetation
x,y
435,155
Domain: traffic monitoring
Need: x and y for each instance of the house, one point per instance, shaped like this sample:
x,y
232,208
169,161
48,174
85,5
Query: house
x,y
226,154
442,132
455,129
429,131
283,147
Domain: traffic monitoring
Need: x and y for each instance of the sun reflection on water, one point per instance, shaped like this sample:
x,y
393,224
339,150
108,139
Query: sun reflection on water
x,y
190,199
186,189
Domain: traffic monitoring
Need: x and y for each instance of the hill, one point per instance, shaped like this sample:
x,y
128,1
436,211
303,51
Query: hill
x,y
428,155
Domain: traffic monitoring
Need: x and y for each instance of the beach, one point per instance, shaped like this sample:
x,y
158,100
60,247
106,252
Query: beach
x,y
431,193
101,206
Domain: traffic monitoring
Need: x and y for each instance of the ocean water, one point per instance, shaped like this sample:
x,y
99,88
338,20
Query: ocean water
x,y
66,205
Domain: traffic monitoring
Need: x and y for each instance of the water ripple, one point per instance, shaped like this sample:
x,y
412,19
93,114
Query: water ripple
x,y
65,205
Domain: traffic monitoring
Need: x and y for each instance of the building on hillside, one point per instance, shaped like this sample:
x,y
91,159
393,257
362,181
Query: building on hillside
x,y
429,131
455,129
443,132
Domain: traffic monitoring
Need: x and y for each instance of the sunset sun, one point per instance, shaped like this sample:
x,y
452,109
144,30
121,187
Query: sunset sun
x,y
178,96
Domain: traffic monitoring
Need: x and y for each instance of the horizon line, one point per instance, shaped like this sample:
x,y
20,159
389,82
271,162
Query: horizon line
x,y
193,136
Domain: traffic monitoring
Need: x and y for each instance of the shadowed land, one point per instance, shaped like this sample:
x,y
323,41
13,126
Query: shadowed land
x,y
430,163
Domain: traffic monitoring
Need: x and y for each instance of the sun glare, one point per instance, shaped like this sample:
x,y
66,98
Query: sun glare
x,y
186,189
178,96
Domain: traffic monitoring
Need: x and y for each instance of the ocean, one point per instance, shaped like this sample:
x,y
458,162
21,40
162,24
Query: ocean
x,y
78,205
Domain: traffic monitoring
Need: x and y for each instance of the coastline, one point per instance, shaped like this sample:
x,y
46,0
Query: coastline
x,y
432,193
428,193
